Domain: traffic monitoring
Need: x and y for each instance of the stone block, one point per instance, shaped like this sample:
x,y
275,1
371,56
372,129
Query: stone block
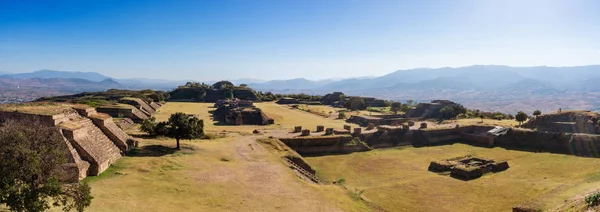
x,y
320,128
305,133
371,126
329,131
297,129
348,127
357,131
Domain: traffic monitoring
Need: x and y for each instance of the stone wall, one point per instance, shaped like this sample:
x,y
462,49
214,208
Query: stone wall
x,y
155,106
113,132
323,145
89,149
91,143
245,94
139,104
132,113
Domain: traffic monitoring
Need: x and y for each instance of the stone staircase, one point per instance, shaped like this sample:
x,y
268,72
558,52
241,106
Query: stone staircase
x,y
91,143
302,171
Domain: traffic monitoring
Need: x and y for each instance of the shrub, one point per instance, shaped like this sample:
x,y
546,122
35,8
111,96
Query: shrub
x,y
592,199
149,126
341,181
342,115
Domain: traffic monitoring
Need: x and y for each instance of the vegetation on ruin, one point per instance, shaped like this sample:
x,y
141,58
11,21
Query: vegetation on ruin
x,y
537,113
521,117
109,97
355,103
396,107
30,161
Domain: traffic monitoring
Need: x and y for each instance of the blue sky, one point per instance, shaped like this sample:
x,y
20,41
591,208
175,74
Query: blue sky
x,y
282,39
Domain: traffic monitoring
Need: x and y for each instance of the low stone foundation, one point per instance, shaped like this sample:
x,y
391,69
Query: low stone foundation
x,y
467,167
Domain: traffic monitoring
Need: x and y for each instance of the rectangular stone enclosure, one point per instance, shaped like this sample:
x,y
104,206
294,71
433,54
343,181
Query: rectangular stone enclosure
x,y
467,167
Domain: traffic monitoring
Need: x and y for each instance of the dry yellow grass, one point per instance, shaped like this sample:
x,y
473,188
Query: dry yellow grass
x,y
285,117
398,180
227,174
325,109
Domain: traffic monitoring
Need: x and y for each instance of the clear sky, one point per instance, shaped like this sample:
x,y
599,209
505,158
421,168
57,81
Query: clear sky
x,y
281,39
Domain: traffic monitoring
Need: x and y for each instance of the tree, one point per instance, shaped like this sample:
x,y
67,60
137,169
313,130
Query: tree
x,y
356,103
30,165
537,113
222,84
395,107
481,117
521,117
342,115
229,93
184,126
447,112
149,126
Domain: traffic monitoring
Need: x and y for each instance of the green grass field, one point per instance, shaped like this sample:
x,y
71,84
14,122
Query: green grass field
x,y
398,180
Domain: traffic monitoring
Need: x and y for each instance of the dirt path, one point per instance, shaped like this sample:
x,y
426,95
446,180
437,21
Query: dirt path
x,y
257,180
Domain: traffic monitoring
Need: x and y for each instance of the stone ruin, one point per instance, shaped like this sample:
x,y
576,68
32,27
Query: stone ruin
x,y
427,110
467,167
287,101
134,109
240,112
320,128
337,99
92,140
305,132
233,102
566,122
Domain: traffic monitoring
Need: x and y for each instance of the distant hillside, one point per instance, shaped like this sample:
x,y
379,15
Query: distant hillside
x,y
47,74
296,84
482,77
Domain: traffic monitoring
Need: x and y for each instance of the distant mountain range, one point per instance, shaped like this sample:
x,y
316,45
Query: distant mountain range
x,y
498,88
46,74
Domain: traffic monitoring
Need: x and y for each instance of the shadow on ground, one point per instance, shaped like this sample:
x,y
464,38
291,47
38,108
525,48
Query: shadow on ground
x,y
153,151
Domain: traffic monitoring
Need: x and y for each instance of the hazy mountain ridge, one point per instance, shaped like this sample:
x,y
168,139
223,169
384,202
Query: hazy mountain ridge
x,y
500,88
47,74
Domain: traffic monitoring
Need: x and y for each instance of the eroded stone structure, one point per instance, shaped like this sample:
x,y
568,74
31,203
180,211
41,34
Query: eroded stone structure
x,y
92,140
467,167
236,112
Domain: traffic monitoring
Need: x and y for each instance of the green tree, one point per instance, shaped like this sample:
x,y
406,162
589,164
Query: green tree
x,y
356,103
537,113
341,115
521,117
184,126
222,85
30,165
149,126
229,93
447,112
396,107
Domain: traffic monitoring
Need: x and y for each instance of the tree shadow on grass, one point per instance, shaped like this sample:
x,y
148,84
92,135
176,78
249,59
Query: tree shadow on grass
x,y
151,151
160,150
